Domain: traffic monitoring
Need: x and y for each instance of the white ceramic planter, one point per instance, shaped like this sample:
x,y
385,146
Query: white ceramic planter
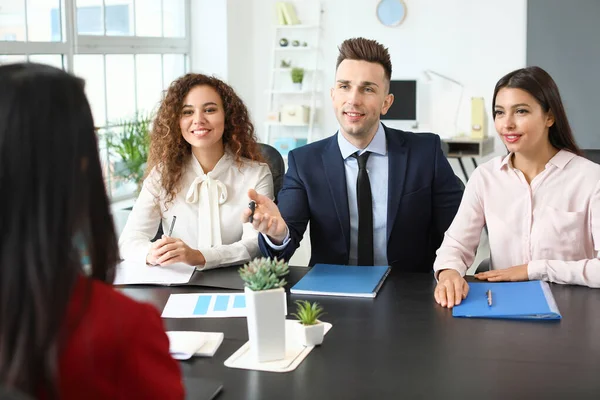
x,y
266,323
310,335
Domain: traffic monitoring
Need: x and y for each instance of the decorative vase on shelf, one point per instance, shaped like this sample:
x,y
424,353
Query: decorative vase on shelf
x,y
266,307
297,75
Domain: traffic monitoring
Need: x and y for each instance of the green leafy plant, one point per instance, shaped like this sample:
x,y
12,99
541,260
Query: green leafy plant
x,y
264,274
308,313
130,140
297,75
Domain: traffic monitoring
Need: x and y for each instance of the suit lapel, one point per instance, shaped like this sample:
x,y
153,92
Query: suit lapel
x,y
397,161
335,173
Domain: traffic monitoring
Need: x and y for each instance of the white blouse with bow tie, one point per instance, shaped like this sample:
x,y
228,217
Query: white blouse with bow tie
x,y
208,208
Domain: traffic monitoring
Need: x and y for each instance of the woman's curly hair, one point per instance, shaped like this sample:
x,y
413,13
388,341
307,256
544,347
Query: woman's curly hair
x,y
168,149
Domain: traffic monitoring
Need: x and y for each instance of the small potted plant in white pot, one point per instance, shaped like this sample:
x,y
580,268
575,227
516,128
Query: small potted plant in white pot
x,y
265,305
310,330
297,77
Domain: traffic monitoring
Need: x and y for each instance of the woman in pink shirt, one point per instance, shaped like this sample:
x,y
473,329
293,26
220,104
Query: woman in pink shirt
x,y
540,203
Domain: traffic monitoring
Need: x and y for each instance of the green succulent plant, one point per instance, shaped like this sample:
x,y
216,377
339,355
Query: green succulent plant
x,y
297,75
264,274
308,313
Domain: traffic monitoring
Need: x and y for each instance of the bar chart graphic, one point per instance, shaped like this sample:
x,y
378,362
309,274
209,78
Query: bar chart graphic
x,y
205,305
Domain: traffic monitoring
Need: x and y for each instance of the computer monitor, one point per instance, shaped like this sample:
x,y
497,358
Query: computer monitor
x,y
403,112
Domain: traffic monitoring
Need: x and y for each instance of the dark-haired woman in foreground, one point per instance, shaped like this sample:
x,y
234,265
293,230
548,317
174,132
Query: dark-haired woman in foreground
x,y
540,203
64,334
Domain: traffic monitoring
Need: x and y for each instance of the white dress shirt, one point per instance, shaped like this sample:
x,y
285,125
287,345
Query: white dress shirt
x,y
552,224
208,208
377,168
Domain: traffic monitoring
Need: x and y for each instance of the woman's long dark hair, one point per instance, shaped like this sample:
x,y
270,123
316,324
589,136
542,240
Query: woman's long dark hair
x,y
539,84
52,191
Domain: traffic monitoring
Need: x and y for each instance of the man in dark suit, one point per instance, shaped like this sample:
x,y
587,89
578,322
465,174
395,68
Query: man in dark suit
x,y
373,195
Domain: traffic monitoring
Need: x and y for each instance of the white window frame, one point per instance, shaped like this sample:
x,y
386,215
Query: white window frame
x,y
73,43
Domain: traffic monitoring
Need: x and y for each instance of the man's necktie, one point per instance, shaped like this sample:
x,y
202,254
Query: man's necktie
x,y
365,211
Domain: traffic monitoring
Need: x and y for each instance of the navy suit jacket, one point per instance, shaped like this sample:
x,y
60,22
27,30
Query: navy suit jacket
x,y
423,198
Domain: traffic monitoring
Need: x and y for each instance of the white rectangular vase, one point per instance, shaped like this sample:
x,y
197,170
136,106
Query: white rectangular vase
x,y
266,323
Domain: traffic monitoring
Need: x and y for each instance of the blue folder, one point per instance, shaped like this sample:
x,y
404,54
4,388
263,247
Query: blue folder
x,y
342,280
510,300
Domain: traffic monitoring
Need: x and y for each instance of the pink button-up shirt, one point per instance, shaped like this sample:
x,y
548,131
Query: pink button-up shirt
x,y
553,225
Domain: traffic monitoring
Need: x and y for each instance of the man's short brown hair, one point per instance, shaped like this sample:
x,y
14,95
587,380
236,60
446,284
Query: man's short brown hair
x,y
365,50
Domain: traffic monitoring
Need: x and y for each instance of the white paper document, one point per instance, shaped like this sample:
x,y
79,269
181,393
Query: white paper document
x,y
186,344
205,305
129,273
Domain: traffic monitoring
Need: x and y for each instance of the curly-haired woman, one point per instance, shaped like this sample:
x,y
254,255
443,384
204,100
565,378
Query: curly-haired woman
x,y
203,159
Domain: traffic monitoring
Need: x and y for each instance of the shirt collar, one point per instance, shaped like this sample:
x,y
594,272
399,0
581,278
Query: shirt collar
x,y
378,144
506,161
560,159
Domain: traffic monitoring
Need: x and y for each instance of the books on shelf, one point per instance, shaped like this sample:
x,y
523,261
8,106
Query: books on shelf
x,y
509,300
342,280
286,13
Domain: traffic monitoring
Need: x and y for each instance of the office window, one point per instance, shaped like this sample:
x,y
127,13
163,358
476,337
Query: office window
x,y
127,51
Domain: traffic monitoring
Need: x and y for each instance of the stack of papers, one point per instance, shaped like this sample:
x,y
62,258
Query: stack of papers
x,y
186,344
130,273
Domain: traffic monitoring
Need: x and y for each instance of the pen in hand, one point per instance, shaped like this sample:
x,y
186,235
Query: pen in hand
x,y
252,207
172,225
489,297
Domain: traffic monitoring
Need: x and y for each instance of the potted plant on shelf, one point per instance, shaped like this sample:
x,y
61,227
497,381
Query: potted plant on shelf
x,y
297,77
129,140
266,307
309,329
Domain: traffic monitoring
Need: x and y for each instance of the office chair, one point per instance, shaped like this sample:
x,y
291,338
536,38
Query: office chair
x,y
276,164
592,155
483,266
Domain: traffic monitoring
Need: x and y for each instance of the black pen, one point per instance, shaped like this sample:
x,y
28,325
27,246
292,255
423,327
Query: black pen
x,y
489,297
252,207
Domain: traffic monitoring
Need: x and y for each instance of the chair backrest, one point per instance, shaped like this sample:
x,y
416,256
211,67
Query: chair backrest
x,y
276,164
444,147
460,183
592,155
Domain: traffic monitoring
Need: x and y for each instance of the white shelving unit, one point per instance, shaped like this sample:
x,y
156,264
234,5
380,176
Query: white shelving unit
x,y
281,93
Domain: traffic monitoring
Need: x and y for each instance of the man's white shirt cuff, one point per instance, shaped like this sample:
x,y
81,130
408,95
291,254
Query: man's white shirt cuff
x,y
282,245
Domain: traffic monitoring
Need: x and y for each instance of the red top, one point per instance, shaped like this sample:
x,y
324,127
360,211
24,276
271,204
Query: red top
x,y
117,349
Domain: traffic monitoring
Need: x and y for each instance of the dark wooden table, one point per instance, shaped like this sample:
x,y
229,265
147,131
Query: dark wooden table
x,y
402,345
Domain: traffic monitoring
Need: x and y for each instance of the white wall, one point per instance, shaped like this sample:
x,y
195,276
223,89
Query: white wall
x,y
209,39
240,51
474,42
